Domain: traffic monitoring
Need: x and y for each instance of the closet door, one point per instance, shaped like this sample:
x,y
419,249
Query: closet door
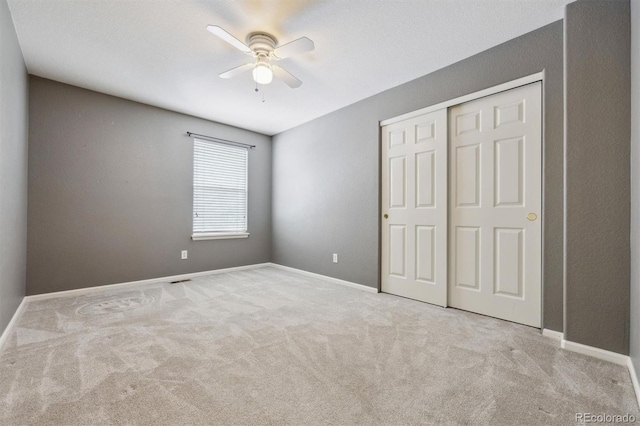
x,y
414,208
495,234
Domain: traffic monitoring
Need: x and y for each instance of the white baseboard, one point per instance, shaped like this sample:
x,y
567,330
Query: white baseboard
x,y
101,288
324,277
614,357
634,380
9,327
552,334
602,354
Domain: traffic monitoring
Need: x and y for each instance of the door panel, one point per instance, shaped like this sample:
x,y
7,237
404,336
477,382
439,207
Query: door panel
x,y
467,262
398,177
469,122
509,250
468,176
509,172
495,172
425,253
396,138
425,179
398,250
414,196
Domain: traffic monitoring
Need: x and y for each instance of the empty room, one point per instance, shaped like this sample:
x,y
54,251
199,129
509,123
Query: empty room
x,y
319,212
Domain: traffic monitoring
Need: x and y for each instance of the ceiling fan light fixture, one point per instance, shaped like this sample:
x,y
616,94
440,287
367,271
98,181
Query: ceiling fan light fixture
x,y
262,73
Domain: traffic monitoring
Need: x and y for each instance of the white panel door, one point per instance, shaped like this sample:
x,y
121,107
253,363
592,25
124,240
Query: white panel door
x,y
495,247
414,205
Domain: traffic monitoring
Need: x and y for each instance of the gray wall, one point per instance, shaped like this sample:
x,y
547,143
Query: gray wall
x,y
14,99
110,192
635,185
597,186
326,172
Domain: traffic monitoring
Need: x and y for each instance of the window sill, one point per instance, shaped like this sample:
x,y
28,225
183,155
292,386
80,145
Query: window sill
x,y
219,236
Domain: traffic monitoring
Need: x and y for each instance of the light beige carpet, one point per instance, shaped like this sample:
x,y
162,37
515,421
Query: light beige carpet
x,y
271,347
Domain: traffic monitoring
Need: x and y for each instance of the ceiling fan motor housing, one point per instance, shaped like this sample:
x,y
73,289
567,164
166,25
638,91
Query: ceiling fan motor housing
x,y
262,44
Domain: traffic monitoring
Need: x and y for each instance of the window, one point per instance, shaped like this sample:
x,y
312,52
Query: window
x,y
219,190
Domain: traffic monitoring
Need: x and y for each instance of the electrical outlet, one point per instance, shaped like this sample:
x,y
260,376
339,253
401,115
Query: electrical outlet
x,y
183,254
335,257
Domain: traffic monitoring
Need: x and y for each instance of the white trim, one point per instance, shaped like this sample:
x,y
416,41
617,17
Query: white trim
x,y
219,235
324,277
543,193
564,173
87,290
608,356
602,354
14,319
466,98
634,380
552,334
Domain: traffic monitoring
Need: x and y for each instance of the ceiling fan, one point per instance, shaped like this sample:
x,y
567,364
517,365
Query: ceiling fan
x,y
262,47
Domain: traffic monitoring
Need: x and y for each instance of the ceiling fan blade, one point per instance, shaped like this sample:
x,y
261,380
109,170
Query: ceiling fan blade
x,y
237,70
286,76
214,29
301,45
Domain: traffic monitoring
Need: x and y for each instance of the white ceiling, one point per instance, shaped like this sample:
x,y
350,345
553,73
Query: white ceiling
x,y
159,53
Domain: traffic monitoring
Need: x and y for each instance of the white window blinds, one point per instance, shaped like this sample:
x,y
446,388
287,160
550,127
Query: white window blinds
x,y
219,188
